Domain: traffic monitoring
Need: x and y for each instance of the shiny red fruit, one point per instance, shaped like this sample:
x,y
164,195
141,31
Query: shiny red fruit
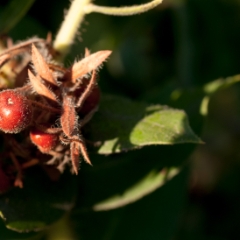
x,y
44,141
15,111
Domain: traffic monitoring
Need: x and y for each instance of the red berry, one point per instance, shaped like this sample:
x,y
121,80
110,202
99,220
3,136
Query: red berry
x,y
15,111
91,101
44,141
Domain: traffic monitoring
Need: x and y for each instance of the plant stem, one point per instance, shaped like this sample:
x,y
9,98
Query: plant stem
x,y
122,11
75,16
69,27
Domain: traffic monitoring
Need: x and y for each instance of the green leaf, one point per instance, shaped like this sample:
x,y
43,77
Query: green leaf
x,y
145,186
121,179
39,203
7,234
211,88
195,100
13,13
155,216
121,125
216,85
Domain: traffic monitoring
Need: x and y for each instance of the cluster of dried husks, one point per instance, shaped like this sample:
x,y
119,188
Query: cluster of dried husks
x,y
43,107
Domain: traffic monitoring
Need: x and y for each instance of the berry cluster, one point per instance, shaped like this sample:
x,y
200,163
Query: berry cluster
x,y
46,105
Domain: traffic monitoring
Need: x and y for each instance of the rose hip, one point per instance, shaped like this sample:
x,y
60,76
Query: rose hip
x,y
15,111
44,141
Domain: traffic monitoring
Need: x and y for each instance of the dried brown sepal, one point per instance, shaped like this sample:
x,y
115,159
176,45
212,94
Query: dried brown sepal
x,y
49,38
86,65
18,180
75,154
4,58
47,129
84,152
9,42
30,163
40,88
87,52
45,107
69,117
19,48
57,68
41,66
88,117
88,90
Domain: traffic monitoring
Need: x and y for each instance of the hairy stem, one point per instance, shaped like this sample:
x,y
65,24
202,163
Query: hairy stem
x,y
69,27
75,16
122,11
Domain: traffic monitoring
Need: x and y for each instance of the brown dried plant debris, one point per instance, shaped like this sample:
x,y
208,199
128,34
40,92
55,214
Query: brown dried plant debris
x,y
68,96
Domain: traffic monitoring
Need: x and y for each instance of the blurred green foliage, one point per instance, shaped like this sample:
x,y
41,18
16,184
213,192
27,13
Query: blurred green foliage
x,y
166,56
